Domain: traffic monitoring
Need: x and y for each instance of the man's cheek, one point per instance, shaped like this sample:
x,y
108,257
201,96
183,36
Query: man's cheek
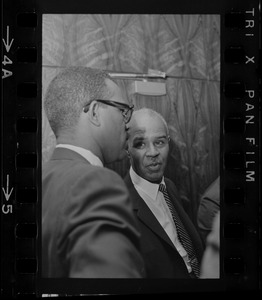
x,y
134,157
135,154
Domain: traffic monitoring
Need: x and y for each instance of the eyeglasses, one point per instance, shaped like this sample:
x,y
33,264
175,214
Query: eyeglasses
x,y
125,109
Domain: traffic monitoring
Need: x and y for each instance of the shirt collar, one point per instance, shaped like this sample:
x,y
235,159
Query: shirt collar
x,y
88,155
151,189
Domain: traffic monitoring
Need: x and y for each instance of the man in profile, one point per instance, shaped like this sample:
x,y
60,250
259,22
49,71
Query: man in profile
x,y
88,226
170,244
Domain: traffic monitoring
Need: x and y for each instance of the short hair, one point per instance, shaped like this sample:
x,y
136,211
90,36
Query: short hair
x,y
152,113
69,92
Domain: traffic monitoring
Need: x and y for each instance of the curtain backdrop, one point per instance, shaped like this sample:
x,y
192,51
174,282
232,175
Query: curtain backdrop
x,y
184,46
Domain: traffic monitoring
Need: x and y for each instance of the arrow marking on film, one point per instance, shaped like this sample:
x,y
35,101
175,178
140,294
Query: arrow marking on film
x,y
6,192
6,43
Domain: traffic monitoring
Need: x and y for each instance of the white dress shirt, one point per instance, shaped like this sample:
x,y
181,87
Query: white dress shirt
x,y
155,200
88,155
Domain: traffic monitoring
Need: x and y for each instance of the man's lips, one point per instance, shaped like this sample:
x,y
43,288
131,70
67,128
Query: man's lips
x,y
154,165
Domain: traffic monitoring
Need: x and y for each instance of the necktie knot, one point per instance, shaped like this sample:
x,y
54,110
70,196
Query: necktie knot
x,y
162,188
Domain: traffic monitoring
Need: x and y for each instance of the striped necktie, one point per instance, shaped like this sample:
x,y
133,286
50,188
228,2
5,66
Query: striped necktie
x,y
182,233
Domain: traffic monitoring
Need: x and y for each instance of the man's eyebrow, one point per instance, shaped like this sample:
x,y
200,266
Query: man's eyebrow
x,y
142,137
138,138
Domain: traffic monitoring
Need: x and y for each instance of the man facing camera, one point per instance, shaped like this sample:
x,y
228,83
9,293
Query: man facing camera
x,y
170,244
88,226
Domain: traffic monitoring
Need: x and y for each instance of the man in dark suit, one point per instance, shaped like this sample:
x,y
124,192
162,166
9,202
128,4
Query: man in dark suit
x,y
88,226
171,245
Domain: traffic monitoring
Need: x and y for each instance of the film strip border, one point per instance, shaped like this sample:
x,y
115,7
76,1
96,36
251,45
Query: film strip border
x,y
241,144
21,149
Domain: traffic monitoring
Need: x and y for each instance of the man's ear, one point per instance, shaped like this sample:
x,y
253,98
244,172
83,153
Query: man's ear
x,y
127,152
93,112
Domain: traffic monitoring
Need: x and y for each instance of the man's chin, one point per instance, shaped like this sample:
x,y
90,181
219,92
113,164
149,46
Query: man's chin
x,y
156,178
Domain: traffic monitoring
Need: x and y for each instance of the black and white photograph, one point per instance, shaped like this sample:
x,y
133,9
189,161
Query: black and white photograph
x,y
130,146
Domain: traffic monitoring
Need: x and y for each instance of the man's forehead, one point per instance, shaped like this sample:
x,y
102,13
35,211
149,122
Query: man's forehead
x,y
143,124
139,133
145,120
143,133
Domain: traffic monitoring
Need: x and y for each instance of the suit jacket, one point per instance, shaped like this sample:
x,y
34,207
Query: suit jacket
x,y
88,226
161,258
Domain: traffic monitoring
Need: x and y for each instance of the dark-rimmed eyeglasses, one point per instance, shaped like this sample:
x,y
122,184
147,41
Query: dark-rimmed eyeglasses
x,y
125,109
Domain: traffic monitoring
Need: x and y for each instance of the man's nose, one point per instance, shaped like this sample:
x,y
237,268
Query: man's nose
x,y
152,150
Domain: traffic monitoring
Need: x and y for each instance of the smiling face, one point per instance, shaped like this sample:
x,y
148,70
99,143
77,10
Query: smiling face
x,y
148,145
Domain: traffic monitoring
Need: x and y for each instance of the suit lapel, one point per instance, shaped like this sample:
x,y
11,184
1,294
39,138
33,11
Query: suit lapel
x,y
144,213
